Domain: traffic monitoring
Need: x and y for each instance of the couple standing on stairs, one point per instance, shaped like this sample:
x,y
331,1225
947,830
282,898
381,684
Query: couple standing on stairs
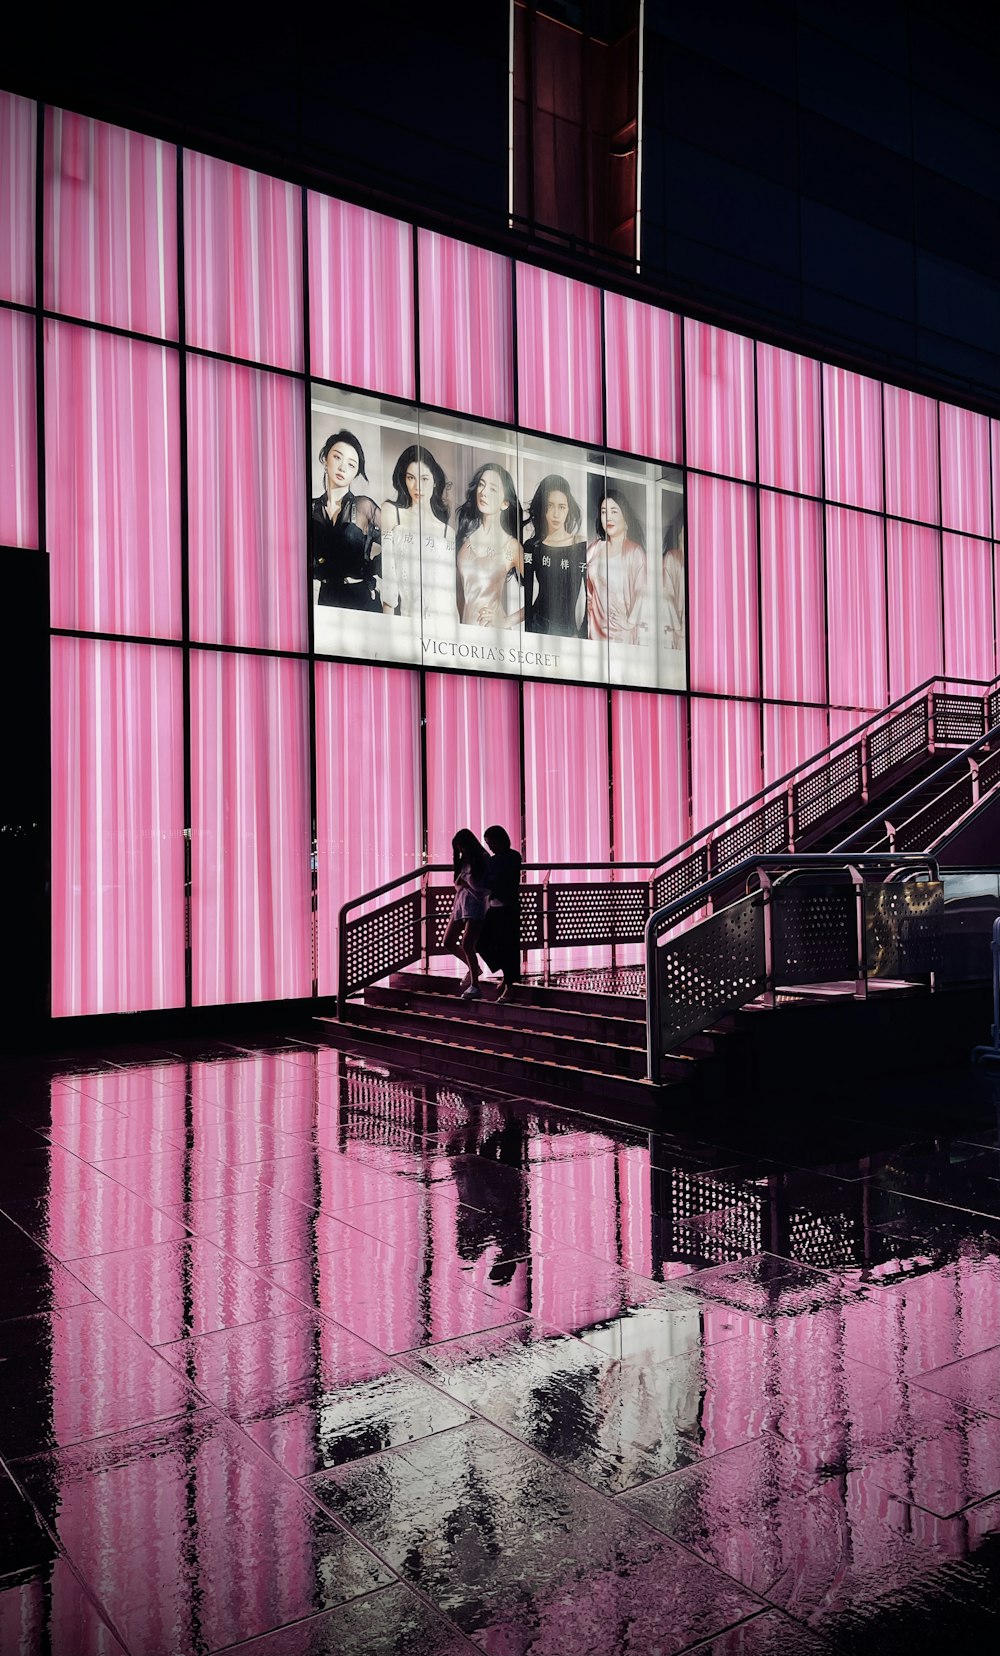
x,y
486,915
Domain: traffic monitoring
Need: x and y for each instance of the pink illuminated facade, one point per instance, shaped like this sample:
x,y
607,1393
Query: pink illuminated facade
x,y
175,330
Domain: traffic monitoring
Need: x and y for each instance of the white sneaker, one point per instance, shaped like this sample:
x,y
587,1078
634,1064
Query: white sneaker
x,y
466,983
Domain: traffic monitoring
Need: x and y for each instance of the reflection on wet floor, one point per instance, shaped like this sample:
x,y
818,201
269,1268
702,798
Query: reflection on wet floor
x,y
302,1356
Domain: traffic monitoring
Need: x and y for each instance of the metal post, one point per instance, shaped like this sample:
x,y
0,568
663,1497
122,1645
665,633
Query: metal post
x,y
766,891
865,769
974,768
790,794
930,721
546,927
425,927
861,974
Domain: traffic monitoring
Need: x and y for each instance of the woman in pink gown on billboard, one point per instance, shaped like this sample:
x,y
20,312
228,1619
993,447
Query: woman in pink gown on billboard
x,y
616,572
489,559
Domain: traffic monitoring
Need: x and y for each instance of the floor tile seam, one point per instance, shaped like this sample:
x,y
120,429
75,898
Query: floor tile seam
x,y
61,1553
949,1206
597,1495
942,1368
124,1326
333,1610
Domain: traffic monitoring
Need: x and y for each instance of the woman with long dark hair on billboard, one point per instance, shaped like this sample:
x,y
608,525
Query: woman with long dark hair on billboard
x,y
555,561
346,533
468,911
489,561
616,571
418,547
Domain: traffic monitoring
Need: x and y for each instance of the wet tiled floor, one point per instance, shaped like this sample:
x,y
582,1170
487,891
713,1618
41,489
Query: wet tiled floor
x,y
300,1356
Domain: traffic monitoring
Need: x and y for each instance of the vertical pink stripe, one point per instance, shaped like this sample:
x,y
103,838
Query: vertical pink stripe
x,y
789,420
246,466
643,373
855,608
725,757
112,482
466,344
17,199
719,375
473,767
360,297
18,465
791,736
368,789
969,646
916,648
649,747
965,470
117,828
722,570
250,888
852,429
110,225
911,455
242,262
792,598
559,355
995,468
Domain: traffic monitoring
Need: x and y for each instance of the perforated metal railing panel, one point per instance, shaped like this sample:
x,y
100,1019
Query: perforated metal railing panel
x,y
708,1219
382,942
901,737
903,925
959,719
532,910
928,824
582,913
814,933
711,970
993,708
764,830
681,878
989,770
440,901
828,789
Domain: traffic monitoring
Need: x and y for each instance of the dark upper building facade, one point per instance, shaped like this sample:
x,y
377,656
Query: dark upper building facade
x,y
819,170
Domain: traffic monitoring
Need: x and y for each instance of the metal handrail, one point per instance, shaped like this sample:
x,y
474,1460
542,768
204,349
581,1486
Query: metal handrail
x,y
662,918
807,765
956,760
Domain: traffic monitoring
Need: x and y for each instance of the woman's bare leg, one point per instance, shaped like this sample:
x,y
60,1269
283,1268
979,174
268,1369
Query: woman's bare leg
x,y
451,941
470,937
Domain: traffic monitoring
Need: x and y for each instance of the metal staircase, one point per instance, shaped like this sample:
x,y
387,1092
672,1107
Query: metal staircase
x,y
820,887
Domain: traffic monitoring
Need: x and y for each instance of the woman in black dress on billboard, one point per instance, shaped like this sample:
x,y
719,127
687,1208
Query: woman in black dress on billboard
x,y
555,561
346,533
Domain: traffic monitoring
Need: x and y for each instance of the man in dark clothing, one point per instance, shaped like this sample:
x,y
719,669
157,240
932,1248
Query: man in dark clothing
x,y
500,939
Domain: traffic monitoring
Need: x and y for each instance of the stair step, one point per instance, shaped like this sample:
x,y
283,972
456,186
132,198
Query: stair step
x,y
596,1002
516,1013
569,1083
479,1033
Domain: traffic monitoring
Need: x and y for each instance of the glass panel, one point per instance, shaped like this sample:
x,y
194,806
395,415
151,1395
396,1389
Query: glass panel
x,y
368,790
852,429
242,262
110,225
559,355
649,746
17,199
911,455
855,608
725,757
247,526
968,608
117,828
719,375
466,347
112,482
792,598
791,736
723,575
473,762
965,470
18,432
915,644
360,297
643,374
789,422
251,923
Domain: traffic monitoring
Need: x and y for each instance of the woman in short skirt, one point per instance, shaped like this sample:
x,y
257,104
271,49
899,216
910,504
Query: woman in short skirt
x,y
469,908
